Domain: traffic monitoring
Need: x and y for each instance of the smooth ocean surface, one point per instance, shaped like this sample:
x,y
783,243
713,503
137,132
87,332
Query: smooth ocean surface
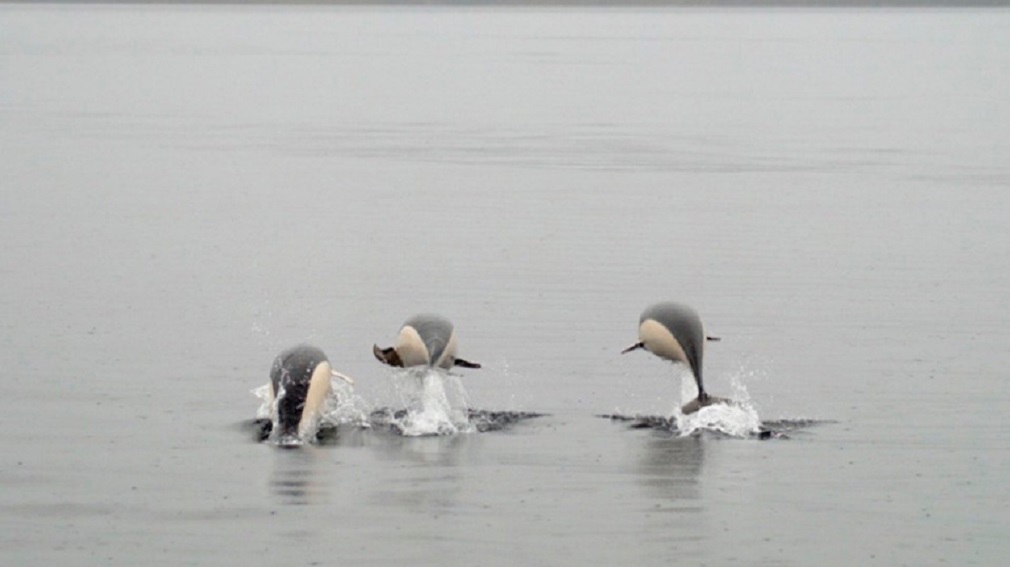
x,y
186,190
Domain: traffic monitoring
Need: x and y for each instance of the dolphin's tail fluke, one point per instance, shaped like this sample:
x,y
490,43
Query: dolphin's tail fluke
x,y
703,400
466,363
387,356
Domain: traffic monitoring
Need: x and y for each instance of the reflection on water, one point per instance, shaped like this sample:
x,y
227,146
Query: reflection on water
x,y
303,474
435,467
429,450
298,476
669,468
669,473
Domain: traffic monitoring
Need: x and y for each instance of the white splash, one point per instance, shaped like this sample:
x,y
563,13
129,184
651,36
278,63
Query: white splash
x,y
341,407
344,407
738,419
266,409
688,389
435,402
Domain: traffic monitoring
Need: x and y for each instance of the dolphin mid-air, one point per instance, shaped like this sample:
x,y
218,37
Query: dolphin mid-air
x,y
674,332
299,388
424,340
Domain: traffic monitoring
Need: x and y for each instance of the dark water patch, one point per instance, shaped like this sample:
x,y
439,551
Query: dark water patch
x,y
771,429
786,425
643,421
487,420
483,421
257,429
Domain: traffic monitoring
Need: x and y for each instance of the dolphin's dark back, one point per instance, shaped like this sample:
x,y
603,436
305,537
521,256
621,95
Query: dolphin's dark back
x,y
685,325
435,333
292,374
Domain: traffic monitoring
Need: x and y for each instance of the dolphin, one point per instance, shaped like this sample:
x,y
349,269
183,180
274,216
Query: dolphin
x,y
673,331
424,340
300,384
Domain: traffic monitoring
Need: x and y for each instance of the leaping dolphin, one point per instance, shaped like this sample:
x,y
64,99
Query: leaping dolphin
x,y
674,332
424,340
300,384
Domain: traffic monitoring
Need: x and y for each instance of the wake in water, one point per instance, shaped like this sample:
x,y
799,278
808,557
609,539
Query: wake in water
x,y
481,421
434,402
738,419
431,402
732,420
772,429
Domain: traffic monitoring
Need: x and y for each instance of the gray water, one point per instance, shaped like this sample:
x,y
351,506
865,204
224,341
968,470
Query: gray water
x,y
185,191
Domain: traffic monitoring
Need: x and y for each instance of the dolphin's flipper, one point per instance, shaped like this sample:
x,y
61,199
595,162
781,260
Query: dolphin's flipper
x,y
713,339
466,363
635,346
387,356
342,376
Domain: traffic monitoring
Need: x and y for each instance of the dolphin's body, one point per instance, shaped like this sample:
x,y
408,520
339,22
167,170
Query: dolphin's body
x,y
674,332
299,386
424,340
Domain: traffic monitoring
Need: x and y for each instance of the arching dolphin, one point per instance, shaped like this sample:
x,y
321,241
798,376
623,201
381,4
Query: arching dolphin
x,y
674,332
424,340
300,384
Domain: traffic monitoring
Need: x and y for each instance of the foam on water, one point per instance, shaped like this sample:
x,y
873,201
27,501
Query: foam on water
x,y
265,410
435,403
738,419
344,407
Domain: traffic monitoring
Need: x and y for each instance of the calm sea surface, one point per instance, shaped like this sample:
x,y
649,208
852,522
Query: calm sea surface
x,y
185,191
